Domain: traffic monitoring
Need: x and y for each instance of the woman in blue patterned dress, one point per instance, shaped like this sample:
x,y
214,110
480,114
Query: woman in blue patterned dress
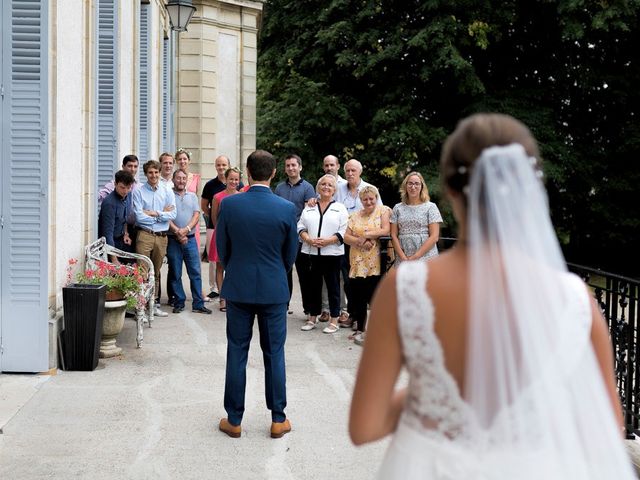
x,y
415,221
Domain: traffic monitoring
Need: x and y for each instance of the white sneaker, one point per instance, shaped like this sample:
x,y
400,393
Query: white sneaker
x,y
159,313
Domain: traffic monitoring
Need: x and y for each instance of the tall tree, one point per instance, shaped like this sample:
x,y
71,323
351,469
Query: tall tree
x,y
384,81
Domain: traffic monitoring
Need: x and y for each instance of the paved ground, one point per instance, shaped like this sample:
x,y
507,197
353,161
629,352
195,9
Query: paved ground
x,y
153,412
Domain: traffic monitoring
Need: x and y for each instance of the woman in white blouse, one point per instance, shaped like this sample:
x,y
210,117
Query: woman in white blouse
x,y
321,229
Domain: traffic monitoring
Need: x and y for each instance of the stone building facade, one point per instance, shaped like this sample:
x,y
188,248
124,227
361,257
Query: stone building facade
x,y
85,82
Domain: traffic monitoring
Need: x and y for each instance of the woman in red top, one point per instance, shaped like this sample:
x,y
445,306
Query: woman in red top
x,y
232,179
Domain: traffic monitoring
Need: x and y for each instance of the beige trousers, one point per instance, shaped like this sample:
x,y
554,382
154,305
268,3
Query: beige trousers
x,y
154,247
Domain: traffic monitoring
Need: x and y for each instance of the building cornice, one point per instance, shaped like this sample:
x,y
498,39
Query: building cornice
x,y
227,25
254,4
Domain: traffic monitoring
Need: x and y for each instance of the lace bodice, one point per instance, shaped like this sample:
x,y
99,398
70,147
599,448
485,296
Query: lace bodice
x,y
434,402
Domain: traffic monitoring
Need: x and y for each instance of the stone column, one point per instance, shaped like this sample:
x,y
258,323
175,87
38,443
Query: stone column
x,y
216,104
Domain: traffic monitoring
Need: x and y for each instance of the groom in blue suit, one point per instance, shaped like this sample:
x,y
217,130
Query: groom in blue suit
x,y
257,244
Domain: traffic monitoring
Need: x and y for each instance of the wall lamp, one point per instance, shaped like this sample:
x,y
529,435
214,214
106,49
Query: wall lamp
x,y
180,13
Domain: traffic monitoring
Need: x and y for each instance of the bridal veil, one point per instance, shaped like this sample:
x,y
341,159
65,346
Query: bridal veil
x,y
532,382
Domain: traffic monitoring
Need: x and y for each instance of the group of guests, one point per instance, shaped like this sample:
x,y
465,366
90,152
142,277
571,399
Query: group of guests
x,y
340,225
227,182
157,218
339,222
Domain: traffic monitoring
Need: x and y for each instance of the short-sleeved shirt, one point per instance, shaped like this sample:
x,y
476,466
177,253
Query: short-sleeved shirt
x,y
212,187
352,203
185,206
297,193
413,226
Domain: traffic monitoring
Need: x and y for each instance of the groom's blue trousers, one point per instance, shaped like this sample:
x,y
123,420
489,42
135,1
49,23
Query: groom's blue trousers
x,y
272,325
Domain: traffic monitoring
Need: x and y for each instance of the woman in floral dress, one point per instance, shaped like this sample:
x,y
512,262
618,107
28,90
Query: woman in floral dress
x,y
363,230
415,222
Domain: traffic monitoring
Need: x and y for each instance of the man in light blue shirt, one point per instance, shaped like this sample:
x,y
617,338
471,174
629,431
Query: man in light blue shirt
x,y
348,193
182,247
154,207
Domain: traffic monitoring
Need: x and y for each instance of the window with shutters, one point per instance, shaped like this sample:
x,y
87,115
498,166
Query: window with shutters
x,y
106,115
144,85
24,335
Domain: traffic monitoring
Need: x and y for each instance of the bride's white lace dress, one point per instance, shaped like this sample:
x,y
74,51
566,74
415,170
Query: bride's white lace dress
x,y
438,436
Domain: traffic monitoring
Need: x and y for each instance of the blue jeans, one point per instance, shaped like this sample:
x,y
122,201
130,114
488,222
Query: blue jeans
x,y
176,254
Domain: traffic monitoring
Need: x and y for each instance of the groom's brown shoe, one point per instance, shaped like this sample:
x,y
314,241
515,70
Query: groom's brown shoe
x,y
232,430
278,429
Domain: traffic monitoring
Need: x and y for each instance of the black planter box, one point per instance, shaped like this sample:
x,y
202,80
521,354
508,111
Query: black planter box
x,y
83,313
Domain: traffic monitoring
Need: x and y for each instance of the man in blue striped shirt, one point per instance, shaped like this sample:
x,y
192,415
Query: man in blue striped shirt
x,y
154,207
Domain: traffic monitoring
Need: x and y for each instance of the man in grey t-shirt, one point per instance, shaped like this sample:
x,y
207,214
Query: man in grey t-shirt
x,y
182,247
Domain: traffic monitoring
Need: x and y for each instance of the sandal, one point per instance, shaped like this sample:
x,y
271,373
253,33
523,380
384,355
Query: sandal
x,y
223,305
331,328
309,325
354,335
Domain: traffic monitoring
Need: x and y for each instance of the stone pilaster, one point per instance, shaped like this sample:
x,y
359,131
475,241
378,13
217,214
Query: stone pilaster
x,y
217,60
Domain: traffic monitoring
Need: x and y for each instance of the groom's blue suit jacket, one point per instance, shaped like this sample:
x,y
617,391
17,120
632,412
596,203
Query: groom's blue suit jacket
x,y
257,243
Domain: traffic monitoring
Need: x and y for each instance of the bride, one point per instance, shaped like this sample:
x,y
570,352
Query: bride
x,y
509,361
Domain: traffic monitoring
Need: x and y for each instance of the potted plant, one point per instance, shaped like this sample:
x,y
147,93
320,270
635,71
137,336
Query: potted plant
x,y
123,284
83,307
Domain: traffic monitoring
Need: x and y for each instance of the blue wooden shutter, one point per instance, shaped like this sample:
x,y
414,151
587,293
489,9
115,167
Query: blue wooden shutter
x,y
106,131
144,91
24,284
166,87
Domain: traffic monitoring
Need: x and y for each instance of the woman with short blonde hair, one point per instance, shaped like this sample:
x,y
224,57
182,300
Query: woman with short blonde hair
x,y
321,229
364,229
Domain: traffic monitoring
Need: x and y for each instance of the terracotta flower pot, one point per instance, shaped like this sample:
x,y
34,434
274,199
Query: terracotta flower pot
x,y
113,295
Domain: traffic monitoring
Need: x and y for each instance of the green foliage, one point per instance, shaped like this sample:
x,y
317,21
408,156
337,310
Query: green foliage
x,y
384,81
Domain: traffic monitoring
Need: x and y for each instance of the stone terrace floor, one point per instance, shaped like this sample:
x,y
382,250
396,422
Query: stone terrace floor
x,y
153,412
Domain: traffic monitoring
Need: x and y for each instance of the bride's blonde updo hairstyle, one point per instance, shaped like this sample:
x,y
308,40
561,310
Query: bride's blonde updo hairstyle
x,y
472,135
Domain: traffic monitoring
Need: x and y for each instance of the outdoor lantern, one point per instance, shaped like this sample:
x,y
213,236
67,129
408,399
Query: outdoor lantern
x,y
180,13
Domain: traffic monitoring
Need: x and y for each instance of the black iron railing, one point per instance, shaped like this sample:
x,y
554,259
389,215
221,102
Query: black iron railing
x,y
617,297
386,254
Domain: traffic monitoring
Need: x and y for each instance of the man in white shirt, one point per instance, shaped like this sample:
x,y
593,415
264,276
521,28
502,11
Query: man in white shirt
x,y
331,166
166,170
348,193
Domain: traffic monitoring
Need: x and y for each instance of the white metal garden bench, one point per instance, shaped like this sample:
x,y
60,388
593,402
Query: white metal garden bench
x,y
100,251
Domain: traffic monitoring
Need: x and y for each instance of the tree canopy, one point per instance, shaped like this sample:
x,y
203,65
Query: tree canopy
x,y
385,81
